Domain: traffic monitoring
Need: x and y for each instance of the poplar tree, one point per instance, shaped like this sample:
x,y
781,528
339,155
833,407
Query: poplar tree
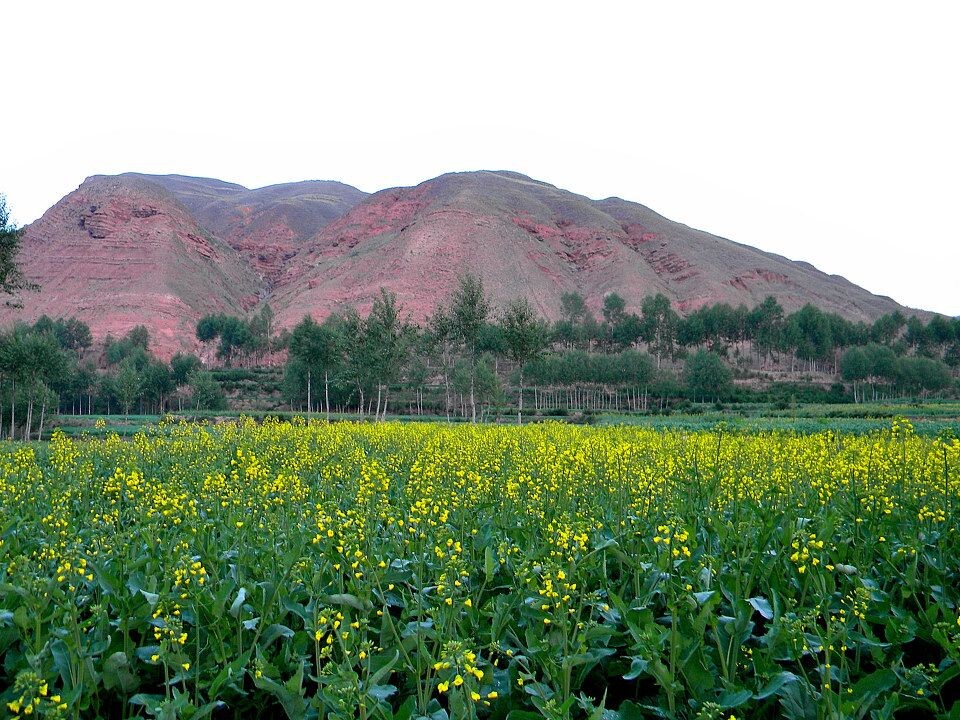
x,y
525,336
469,309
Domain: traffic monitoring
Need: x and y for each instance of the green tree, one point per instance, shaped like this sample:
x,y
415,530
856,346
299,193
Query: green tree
x,y
388,342
139,337
12,279
765,322
658,325
45,366
356,370
317,350
573,308
469,309
34,363
73,335
614,308
525,336
234,333
439,341
133,346
886,328
478,378
183,366
158,384
707,376
917,336
206,392
127,385
855,368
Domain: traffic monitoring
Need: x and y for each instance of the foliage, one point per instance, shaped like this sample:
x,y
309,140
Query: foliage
x,y
205,392
237,335
706,376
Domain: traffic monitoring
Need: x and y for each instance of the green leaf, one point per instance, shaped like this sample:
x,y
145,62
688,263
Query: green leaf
x,y
250,624
207,710
61,661
290,694
151,703
539,690
762,606
233,671
638,667
383,672
146,652
703,597
381,692
406,711
877,682
273,632
734,698
776,682
118,674
238,602
489,563
351,601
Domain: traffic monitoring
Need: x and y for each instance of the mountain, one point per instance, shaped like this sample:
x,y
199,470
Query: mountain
x,y
119,252
526,237
163,250
266,225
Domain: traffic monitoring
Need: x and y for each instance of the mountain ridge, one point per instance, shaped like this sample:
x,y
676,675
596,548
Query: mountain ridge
x,y
316,246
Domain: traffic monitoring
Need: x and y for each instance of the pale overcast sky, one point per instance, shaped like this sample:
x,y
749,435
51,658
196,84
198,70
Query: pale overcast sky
x,y
824,131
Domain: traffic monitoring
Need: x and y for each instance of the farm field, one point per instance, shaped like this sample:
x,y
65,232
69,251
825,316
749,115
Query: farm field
x,y
411,570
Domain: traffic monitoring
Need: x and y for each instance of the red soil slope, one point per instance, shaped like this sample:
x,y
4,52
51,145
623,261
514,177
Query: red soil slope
x,y
119,252
525,237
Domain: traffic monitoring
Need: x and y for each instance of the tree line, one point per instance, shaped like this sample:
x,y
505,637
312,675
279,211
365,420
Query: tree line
x,y
50,366
468,353
470,358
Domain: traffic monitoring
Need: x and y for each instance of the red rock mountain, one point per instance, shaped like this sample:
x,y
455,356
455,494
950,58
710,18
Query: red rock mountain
x,y
526,237
267,225
119,252
164,250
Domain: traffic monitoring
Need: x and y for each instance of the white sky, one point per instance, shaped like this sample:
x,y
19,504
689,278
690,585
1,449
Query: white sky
x,y
825,131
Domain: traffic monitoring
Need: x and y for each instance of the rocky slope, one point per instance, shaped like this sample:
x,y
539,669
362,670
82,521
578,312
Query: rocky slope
x,y
526,237
266,225
164,250
119,252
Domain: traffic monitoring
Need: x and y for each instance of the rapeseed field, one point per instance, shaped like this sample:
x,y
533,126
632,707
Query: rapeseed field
x,y
313,570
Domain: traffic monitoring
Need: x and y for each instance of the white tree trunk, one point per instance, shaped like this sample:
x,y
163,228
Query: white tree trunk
x,y
309,390
43,412
520,401
326,393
